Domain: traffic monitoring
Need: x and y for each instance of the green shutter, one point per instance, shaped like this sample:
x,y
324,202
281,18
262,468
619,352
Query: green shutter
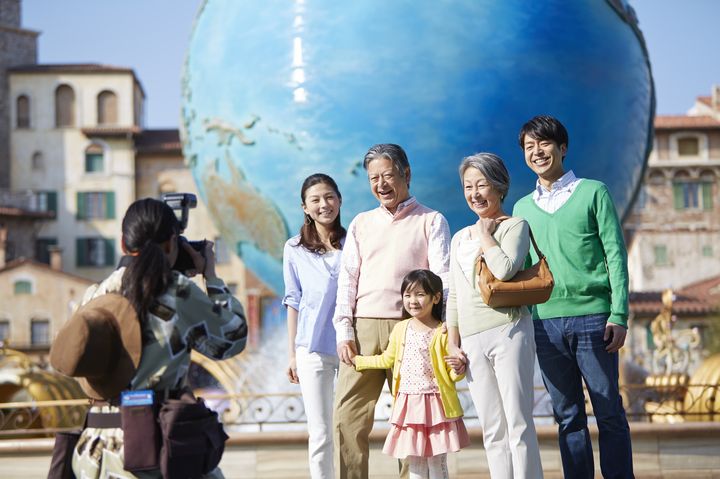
x,y
81,251
52,201
81,212
707,196
678,196
110,205
109,252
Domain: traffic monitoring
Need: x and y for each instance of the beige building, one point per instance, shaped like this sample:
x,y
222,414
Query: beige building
x,y
71,142
78,144
35,300
673,230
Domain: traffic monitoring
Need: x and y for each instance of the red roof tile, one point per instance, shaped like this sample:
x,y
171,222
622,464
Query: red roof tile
x,y
669,122
706,100
697,299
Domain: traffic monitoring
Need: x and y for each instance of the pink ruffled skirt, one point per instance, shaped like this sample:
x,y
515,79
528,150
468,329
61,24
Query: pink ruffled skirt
x,y
418,427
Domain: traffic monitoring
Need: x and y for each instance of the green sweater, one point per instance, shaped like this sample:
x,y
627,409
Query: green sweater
x,y
584,246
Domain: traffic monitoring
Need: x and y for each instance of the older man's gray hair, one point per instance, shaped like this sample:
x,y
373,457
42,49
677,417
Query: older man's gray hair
x,y
390,151
492,168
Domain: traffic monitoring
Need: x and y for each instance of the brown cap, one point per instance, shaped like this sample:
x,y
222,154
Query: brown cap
x,y
101,344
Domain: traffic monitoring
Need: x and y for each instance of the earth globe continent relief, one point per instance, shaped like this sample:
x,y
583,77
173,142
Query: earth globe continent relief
x,y
274,91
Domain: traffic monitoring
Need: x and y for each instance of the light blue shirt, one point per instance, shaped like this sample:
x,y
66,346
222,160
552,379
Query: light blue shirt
x,y
311,289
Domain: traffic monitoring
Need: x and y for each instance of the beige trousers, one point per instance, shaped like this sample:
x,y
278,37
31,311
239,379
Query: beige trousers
x,y
355,399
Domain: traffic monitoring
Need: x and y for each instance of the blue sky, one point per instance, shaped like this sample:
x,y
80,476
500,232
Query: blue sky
x,y
151,37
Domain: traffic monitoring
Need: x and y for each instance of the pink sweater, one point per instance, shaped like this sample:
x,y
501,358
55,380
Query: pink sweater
x,y
389,247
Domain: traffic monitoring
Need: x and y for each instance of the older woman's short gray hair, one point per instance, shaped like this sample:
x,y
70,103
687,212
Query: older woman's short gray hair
x,y
492,168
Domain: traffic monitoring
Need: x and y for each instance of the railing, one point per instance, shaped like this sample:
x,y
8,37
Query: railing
x,y
283,411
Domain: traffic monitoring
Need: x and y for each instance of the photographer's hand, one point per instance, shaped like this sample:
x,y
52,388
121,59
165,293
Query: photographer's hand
x,y
209,261
197,258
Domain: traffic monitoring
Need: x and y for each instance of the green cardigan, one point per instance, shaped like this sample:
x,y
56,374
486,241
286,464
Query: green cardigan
x,y
584,246
393,355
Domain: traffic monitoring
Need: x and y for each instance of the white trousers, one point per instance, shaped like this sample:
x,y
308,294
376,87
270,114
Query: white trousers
x,y
317,374
501,363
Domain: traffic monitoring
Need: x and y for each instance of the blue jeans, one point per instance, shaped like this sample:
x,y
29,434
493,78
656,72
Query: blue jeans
x,y
570,350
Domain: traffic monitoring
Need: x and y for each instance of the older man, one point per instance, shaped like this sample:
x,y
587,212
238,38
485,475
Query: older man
x,y
381,247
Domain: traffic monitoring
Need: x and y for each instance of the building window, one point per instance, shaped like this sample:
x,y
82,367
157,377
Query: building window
x,y
46,201
707,251
64,106
23,286
107,108
22,111
689,195
661,256
4,330
39,332
42,252
94,158
689,146
37,161
95,252
96,205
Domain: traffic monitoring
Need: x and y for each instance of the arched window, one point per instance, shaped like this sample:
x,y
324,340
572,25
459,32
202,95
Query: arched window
x,y
94,158
107,108
693,194
22,111
37,161
64,106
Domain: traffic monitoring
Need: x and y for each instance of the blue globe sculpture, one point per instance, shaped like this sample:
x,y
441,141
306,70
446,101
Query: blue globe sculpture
x,y
274,91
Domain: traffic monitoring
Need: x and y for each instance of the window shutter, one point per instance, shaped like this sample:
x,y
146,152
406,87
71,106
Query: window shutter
x,y
109,252
678,196
81,211
707,199
110,205
81,251
52,201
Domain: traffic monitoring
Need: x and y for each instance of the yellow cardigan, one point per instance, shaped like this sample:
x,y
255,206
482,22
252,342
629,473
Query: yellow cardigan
x,y
392,357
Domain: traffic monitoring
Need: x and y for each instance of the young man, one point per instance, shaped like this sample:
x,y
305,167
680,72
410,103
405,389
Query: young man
x,y
581,328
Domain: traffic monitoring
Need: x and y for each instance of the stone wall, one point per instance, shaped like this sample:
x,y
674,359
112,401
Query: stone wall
x,y
17,47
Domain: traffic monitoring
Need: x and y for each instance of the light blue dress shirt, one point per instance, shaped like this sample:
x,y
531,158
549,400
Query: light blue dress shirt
x,y
311,289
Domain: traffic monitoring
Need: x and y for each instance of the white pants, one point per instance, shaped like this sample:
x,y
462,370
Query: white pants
x,y
428,467
317,374
501,362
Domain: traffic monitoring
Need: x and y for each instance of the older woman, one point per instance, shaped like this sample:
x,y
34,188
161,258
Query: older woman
x,y
498,343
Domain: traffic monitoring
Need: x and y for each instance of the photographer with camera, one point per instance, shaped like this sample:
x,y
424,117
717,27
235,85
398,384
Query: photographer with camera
x,y
130,344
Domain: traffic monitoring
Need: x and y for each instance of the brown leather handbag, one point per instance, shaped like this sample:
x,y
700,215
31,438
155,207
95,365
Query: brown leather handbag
x,y
529,286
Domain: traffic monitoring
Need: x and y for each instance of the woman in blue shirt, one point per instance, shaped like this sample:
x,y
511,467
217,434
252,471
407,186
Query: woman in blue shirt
x,y
311,262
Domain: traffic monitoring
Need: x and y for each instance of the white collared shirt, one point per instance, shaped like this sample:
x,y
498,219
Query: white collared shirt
x,y
551,200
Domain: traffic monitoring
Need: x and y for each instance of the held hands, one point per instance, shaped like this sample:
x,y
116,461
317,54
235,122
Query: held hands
x,y
346,352
292,371
456,358
616,334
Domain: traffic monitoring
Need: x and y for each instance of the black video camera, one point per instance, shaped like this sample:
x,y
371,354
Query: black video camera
x,y
181,203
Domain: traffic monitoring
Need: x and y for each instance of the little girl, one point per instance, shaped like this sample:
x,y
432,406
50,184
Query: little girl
x,y
426,420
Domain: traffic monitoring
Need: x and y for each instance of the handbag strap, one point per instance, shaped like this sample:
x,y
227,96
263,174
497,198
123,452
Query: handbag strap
x,y
537,250
532,240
